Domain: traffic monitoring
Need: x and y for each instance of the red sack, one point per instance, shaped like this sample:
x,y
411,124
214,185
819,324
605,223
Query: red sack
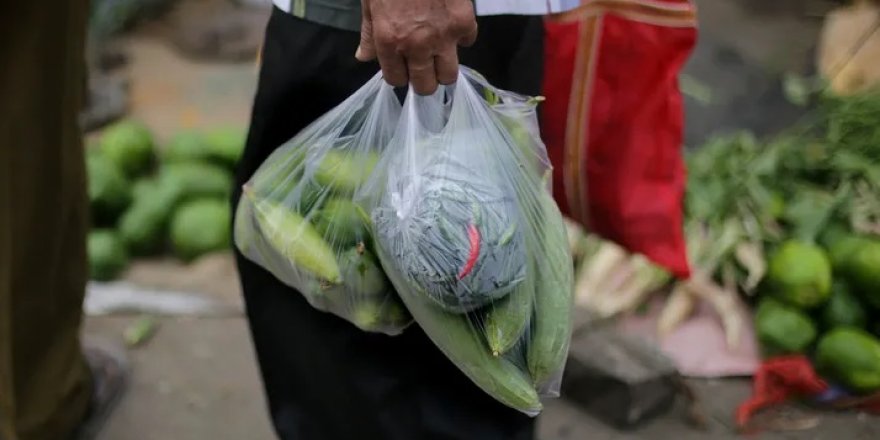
x,y
613,121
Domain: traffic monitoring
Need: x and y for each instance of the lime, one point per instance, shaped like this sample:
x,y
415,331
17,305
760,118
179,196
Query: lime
x,y
799,273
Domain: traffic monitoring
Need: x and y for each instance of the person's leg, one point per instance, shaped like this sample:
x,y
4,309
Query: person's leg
x,y
45,384
324,378
509,52
306,70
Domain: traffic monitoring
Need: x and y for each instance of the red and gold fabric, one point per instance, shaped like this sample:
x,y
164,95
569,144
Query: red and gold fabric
x,y
613,120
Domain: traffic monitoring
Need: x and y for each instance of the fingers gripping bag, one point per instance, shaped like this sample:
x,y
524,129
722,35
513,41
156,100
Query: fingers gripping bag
x,y
468,232
299,216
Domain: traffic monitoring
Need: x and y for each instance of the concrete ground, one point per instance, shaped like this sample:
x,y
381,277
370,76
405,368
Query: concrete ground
x,y
197,378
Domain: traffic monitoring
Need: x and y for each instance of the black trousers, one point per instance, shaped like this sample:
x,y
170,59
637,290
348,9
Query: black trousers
x,y
324,378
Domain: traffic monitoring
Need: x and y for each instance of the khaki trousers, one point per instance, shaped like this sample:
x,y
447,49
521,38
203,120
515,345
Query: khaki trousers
x,y
44,381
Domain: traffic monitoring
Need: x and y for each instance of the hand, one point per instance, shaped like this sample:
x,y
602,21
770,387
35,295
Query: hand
x,y
416,41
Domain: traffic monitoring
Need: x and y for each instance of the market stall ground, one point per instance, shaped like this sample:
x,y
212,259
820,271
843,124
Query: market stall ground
x,y
196,378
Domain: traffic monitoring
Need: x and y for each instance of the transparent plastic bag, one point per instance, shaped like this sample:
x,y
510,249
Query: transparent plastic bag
x,y
299,217
466,228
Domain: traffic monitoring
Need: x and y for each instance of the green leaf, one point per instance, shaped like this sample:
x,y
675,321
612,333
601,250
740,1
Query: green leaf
x,y
797,89
811,210
695,89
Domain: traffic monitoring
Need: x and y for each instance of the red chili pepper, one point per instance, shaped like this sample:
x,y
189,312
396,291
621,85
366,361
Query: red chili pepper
x,y
473,252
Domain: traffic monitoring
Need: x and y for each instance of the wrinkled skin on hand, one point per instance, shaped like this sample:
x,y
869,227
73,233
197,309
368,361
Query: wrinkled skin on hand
x,y
416,41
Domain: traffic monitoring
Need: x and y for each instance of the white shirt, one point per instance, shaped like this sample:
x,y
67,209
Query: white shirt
x,y
524,7
498,7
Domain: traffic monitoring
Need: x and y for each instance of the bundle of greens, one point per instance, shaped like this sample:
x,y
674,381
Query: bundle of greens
x,y
784,216
765,218
459,241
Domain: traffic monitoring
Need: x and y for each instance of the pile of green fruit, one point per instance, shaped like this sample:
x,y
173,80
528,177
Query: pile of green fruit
x,y
794,221
825,301
297,219
144,201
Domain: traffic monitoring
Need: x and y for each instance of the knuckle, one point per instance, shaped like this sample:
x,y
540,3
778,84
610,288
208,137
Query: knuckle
x,y
446,78
386,39
425,89
471,27
395,78
462,19
419,69
384,35
420,40
395,81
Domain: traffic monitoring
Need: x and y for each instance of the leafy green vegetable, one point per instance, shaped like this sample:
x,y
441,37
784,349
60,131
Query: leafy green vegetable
x,y
821,173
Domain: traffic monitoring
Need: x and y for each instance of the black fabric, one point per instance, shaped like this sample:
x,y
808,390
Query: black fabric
x,y
324,378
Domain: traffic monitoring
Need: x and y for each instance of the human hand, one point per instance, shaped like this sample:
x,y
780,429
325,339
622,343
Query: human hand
x,y
416,41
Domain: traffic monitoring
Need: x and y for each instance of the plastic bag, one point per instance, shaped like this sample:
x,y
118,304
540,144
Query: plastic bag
x,y
299,218
469,234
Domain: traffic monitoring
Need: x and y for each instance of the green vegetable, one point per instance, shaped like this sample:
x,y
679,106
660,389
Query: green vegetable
x,y
874,326
345,172
280,172
554,284
517,126
851,357
201,227
186,146
303,196
379,315
245,228
362,275
310,197
340,223
109,190
809,211
107,255
843,309
775,205
143,186
828,173
296,239
863,271
129,145
800,274
841,250
852,123
456,244
143,226
195,180
140,331
507,319
455,335
226,144
281,178
832,235
782,329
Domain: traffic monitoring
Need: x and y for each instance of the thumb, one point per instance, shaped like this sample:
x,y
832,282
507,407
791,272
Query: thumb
x,y
366,50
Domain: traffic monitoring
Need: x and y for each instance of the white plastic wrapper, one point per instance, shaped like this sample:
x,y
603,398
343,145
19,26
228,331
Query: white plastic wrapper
x,y
466,229
299,217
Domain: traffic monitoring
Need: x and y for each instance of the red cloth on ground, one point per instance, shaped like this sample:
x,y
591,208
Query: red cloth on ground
x,y
782,379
